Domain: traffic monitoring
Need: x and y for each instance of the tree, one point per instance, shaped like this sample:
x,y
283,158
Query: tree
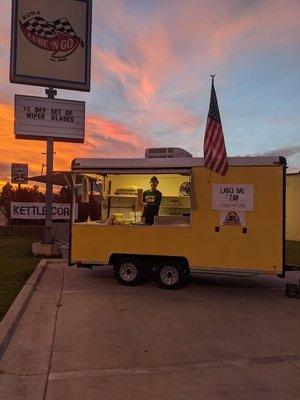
x,y
24,195
63,196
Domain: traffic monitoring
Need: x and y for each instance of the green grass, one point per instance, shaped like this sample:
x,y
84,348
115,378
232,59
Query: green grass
x,y
16,265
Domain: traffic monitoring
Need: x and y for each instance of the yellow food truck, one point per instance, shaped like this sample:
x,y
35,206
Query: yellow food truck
x,y
233,224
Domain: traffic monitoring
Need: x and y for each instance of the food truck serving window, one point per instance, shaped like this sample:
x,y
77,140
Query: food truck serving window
x,y
130,198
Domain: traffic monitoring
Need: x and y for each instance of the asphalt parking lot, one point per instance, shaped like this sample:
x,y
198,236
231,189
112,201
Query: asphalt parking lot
x,y
83,336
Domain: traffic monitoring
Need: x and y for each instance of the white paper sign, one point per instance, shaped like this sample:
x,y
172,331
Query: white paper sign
x,y
38,210
41,118
232,218
19,173
232,197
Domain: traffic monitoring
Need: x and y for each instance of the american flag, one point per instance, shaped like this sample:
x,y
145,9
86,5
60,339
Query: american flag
x,y
215,157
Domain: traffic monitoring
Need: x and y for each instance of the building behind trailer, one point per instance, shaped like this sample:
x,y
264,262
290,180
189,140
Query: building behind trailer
x,y
293,206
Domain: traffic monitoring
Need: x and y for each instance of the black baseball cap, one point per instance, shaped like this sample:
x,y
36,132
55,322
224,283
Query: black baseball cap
x,y
153,179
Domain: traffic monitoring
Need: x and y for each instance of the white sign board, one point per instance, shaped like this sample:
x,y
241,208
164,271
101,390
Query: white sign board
x,y
19,173
232,197
38,210
51,43
41,118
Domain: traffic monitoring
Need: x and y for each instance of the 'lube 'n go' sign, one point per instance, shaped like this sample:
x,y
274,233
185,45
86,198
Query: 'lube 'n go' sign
x,y
51,43
38,210
232,197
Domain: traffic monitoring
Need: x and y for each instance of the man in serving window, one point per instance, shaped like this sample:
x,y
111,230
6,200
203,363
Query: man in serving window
x,y
151,200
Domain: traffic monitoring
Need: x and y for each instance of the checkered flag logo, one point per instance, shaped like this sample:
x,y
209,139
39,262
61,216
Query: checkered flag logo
x,y
39,26
58,36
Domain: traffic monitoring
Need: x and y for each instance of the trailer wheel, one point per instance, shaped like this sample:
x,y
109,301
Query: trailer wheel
x,y
128,271
172,276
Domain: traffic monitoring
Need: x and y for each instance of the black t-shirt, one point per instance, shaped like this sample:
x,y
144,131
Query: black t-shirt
x,y
153,199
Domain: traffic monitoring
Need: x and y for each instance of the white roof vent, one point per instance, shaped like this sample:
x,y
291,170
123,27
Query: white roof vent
x,y
166,152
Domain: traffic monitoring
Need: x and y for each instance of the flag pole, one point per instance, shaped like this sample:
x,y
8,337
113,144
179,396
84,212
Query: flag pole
x,y
209,176
209,173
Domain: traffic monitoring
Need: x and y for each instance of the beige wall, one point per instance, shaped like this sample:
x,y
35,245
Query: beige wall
x,y
293,207
169,184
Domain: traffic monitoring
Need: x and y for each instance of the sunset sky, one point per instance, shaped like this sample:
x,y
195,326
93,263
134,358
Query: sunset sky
x,y
151,62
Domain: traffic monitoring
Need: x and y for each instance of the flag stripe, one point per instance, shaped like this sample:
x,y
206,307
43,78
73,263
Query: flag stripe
x,y
215,156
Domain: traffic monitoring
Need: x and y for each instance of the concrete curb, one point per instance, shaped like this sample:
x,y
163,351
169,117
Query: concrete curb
x,y
11,319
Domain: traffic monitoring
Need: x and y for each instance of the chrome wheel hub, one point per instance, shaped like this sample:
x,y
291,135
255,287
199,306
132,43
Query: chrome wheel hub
x,y
128,271
169,275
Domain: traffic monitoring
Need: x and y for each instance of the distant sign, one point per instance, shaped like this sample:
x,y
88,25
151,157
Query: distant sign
x,y
41,118
19,173
38,210
232,197
51,43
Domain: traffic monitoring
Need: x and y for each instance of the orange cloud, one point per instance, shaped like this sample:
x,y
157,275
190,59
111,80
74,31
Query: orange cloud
x,y
104,138
12,150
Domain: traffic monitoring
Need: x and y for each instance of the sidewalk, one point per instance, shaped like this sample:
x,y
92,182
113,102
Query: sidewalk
x,y
83,336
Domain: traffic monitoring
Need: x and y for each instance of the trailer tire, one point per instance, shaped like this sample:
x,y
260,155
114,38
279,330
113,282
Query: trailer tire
x,y
128,271
172,276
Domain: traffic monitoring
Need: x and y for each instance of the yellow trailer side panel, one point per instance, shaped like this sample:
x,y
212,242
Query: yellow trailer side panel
x,y
260,249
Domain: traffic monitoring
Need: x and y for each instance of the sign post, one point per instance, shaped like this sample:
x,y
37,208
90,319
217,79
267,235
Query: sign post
x,y
50,46
49,160
48,220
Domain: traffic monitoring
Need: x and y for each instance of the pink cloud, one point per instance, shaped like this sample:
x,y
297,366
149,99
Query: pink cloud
x,y
140,89
266,24
168,38
103,128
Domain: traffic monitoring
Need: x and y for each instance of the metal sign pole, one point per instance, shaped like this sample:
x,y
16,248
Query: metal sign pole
x,y
48,217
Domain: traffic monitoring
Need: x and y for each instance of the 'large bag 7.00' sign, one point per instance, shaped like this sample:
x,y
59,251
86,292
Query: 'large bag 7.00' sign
x,y
230,197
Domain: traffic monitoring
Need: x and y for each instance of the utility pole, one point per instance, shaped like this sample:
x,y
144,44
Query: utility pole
x,y
51,93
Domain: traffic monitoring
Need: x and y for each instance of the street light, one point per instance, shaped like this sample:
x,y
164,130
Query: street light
x,y
45,164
